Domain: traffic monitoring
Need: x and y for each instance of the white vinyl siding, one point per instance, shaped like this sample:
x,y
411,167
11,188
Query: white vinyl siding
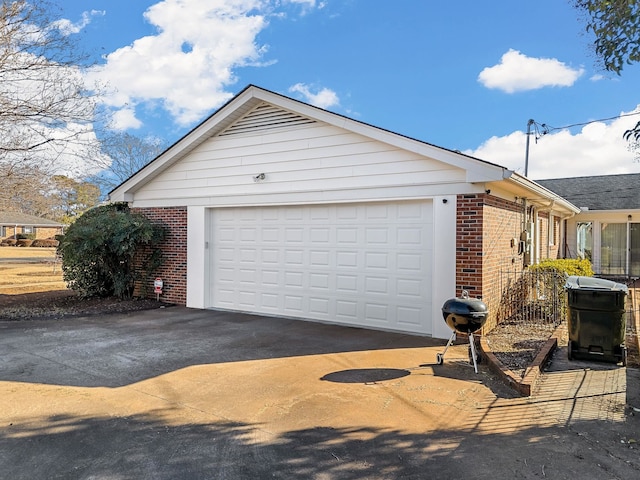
x,y
310,158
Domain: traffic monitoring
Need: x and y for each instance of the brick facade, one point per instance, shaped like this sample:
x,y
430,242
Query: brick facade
x,y
173,271
469,223
9,231
502,221
487,242
486,247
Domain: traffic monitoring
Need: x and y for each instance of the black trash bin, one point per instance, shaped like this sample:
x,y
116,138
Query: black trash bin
x,y
597,319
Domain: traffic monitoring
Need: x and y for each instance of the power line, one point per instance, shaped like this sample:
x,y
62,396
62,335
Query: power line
x,y
548,128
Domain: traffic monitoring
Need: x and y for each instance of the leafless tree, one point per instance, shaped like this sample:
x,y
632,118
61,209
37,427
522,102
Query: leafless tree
x,y
46,110
24,190
123,155
34,192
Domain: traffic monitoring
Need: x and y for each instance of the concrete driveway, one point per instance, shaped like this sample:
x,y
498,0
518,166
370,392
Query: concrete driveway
x,y
188,394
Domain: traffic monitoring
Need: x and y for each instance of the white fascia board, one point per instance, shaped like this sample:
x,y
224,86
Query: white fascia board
x,y
217,122
536,193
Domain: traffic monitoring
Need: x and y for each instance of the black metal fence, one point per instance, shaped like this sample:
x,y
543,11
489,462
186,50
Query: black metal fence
x,y
532,297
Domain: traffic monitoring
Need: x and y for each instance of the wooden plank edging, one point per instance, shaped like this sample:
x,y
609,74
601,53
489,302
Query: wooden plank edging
x,y
527,383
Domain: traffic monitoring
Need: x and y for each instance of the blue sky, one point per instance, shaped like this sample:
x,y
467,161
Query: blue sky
x,y
463,75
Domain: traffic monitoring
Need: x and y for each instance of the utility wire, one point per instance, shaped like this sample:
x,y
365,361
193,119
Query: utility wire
x,y
548,128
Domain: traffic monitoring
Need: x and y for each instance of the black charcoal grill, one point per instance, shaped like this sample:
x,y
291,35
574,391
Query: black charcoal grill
x,y
464,315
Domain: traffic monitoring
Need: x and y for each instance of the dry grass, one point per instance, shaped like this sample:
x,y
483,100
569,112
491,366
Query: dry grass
x,y
27,270
27,252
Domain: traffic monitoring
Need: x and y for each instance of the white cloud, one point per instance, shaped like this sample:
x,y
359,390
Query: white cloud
x,y
323,98
517,72
125,119
189,64
597,149
67,27
190,61
308,3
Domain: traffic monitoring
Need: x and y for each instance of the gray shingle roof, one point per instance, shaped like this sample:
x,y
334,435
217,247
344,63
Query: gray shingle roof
x,y
13,218
603,192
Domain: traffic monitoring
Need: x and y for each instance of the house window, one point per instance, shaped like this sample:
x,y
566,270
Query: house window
x,y
613,248
3,231
634,249
553,230
585,240
28,230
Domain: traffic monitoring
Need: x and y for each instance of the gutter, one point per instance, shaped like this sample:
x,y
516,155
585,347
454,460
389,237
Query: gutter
x,y
541,192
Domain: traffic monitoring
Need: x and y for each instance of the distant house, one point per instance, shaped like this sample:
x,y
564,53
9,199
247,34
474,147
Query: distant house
x,y
12,224
607,229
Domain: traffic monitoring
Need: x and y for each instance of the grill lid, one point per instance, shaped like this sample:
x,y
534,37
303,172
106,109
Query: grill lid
x,y
464,314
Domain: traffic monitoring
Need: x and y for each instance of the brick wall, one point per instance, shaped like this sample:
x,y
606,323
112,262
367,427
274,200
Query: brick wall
x,y
47,232
502,221
486,246
41,232
173,271
549,245
469,244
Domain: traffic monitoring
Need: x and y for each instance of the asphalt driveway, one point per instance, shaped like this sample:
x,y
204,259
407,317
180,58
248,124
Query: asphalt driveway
x,y
188,394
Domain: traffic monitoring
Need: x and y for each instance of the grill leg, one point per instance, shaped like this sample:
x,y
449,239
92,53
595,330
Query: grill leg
x,y
472,345
440,356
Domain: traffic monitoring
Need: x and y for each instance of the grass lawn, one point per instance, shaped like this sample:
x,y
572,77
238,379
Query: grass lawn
x,y
27,252
28,270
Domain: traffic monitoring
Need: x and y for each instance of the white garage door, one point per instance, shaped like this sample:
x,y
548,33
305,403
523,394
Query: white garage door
x,y
356,264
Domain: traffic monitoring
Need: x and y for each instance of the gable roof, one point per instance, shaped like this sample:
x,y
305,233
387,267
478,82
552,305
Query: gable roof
x,y
255,109
15,218
602,192
252,109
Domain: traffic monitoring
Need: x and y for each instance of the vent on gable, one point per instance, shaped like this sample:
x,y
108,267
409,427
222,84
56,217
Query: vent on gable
x,y
265,117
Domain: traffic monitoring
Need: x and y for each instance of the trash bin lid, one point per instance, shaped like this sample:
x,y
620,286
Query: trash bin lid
x,y
592,283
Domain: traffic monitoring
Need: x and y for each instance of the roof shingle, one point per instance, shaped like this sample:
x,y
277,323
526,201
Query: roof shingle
x,y
14,218
602,192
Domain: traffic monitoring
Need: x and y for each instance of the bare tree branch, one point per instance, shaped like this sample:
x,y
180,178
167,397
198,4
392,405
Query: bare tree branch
x,y
46,110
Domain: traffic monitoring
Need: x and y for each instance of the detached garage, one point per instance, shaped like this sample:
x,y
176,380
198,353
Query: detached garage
x,y
276,207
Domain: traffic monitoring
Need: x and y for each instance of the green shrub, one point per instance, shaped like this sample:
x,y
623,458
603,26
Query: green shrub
x,y
107,250
570,266
25,236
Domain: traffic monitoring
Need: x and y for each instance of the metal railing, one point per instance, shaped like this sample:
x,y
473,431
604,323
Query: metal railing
x,y
532,297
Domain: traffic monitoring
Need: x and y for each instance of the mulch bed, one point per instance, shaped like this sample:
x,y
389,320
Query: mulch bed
x,y
62,304
516,345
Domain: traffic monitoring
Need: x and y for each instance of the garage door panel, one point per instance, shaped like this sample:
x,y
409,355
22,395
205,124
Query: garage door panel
x,y
320,235
376,285
357,264
320,258
409,288
269,256
377,313
270,235
375,260
409,316
293,304
347,259
269,301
